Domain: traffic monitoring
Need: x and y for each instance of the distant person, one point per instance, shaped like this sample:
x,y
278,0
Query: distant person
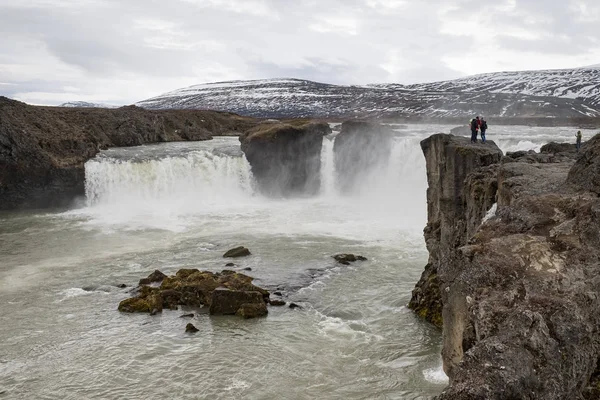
x,y
483,128
474,128
578,142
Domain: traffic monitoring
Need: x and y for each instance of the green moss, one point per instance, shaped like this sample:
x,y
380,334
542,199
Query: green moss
x,y
134,304
433,316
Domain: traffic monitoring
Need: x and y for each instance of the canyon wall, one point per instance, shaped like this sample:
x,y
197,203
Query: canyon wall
x,y
514,285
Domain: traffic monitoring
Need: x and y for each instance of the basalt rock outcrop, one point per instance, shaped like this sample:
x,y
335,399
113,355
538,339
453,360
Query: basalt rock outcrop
x,y
360,149
286,156
224,293
43,149
454,208
519,287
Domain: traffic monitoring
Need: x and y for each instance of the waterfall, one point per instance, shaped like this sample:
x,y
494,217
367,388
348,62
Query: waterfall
x,y
185,182
327,167
166,183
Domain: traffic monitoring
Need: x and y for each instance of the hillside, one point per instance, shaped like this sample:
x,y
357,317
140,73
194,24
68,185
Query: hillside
x,y
552,93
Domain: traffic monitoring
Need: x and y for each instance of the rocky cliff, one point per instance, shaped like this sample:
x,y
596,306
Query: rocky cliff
x,y
518,288
43,149
286,156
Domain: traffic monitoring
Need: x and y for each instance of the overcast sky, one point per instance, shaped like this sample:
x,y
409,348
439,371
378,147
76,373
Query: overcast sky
x,y
123,51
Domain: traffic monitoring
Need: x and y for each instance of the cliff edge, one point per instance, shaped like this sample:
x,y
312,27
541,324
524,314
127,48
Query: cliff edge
x,y
43,149
514,269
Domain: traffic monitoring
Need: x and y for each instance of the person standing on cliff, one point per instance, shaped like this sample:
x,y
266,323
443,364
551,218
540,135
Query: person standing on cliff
x,y
578,141
474,128
483,128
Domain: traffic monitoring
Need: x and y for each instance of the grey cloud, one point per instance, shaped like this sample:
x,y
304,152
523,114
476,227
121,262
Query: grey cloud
x,y
122,51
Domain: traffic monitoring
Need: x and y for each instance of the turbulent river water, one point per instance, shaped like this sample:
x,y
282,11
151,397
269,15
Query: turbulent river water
x,y
182,205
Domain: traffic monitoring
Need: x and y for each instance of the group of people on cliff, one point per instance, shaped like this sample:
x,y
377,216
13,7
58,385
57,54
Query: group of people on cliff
x,y
478,125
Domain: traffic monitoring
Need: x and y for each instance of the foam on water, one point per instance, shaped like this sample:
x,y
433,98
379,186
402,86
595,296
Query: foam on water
x,y
436,375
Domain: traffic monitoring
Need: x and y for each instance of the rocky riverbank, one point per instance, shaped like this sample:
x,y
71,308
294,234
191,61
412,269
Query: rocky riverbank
x,y
513,269
43,149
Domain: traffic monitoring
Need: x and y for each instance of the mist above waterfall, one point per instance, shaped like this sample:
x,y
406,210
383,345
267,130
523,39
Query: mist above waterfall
x,y
169,186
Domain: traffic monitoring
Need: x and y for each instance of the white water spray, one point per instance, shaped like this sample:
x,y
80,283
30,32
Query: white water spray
x,y
327,167
199,178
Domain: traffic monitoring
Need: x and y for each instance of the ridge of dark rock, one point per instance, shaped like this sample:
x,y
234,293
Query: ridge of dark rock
x,y
43,149
516,290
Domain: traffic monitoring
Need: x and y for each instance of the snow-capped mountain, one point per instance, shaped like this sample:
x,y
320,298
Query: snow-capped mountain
x,y
578,83
552,93
85,104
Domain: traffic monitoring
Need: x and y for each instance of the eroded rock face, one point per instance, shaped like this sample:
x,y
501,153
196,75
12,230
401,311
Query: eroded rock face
x,y
585,174
286,157
360,149
521,307
43,149
453,208
224,293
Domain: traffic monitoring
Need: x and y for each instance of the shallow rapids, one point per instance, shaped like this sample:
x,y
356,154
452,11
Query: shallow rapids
x,y
182,205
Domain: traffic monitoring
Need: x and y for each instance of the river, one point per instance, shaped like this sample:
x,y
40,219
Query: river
x,y
182,205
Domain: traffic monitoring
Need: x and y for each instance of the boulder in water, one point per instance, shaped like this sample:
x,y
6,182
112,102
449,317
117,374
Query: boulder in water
x,y
190,328
346,259
195,288
227,302
154,277
286,157
190,315
277,303
252,310
240,251
147,300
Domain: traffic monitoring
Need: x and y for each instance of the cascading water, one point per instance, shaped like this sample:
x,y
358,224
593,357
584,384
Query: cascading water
x,y
327,167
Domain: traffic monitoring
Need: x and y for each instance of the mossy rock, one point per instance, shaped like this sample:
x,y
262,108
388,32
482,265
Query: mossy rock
x,y
195,288
149,304
236,252
254,310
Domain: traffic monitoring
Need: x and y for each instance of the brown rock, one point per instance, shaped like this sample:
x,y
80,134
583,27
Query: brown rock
x,y
346,259
236,252
253,310
227,302
286,157
190,328
194,288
